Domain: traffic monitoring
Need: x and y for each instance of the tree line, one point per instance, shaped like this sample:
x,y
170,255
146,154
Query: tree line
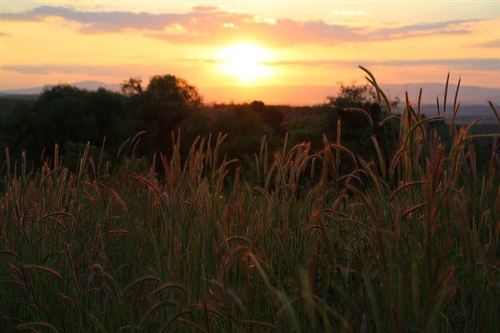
x,y
71,117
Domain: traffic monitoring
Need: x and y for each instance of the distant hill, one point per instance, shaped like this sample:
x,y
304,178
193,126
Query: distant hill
x,y
9,98
466,114
311,95
88,85
466,94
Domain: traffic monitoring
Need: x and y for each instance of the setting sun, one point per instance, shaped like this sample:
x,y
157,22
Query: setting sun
x,y
278,51
245,62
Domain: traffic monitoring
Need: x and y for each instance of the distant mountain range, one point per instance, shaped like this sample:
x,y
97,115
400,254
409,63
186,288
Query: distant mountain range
x,y
89,85
311,95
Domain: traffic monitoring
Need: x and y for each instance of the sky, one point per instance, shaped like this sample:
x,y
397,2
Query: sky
x,y
226,47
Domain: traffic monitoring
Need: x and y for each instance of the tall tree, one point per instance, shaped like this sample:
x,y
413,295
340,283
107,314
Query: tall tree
x,y
16,130
132,86
61,114
356,109
66,113
165,105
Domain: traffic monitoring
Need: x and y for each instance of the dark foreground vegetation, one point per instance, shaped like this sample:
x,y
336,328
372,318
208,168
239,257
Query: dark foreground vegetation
x,y
358,220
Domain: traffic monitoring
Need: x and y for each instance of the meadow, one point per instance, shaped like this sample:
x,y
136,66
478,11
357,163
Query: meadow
x,y
401,243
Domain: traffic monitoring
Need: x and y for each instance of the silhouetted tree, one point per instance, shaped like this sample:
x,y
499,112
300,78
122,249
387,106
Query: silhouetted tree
x,y
17,130
61,115
271,116
132,87
108,109
360,115
167,104
65,113
244,128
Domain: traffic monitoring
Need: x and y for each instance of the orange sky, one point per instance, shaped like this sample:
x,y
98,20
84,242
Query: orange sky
x,y
249,44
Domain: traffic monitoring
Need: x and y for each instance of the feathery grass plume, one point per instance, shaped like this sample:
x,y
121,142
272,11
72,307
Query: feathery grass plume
x,y
381,96
446,92
456,107
34,325
8,175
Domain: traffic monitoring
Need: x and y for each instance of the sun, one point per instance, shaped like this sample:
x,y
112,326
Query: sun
x,y
245,62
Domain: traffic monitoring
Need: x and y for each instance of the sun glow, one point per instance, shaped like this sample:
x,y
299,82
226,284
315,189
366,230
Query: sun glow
x,y
245,62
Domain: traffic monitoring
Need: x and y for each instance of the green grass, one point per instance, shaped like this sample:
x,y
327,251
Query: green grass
x,y
408,242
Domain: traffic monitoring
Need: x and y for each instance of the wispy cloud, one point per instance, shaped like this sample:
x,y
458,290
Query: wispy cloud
x,y
282,32
205,8
344,12
490,44
435,28
485,64
98,21
121,70
206,24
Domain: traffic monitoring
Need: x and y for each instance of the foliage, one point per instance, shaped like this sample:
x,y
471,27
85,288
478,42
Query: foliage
x,y
64,113
132,86
271,116
245,125
356,116
16,128
309,129
73,155
167,103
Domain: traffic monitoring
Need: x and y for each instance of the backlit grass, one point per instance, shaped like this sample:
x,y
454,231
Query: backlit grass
x,y
408,242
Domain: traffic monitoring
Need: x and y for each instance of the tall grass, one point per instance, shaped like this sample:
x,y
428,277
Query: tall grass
x,y
407,242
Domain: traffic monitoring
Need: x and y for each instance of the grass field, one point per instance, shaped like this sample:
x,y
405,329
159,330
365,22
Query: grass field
x,y
404,243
